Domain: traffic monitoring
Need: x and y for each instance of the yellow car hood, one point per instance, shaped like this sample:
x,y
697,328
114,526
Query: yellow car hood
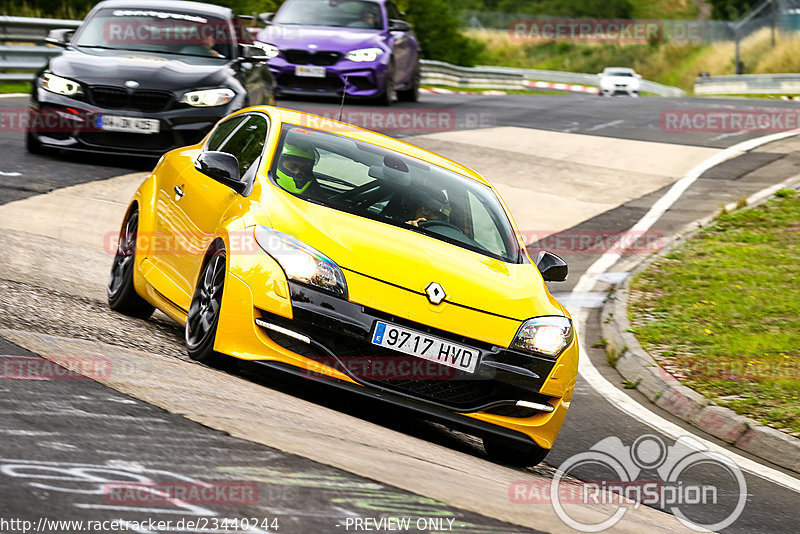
x,y
413,260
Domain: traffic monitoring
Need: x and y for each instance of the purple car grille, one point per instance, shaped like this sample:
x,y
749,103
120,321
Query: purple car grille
x,y
304,57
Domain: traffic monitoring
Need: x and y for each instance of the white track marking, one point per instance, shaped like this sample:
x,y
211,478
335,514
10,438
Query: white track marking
x,y
587,282
14,95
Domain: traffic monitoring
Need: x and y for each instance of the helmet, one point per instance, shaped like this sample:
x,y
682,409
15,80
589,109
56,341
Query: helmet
x,y
433,200
288,179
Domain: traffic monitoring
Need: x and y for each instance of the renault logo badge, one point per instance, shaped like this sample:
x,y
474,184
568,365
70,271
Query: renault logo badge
x,y
435,293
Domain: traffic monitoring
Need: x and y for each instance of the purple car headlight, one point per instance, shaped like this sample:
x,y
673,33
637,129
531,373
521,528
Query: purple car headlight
x,y
363,54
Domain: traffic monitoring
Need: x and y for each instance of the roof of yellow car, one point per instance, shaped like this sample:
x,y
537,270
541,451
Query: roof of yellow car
x,y
348,130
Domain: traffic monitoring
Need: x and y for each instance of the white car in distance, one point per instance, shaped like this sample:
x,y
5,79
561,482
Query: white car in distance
x,y
619,80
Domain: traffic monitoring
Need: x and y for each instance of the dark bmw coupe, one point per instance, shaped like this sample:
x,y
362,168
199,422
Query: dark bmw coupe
x,y
144,77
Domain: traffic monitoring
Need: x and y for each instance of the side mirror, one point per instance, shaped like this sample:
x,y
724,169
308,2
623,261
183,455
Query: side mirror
x,y
552,267
60,37
397,25
252,53
222,167
638,76
266,18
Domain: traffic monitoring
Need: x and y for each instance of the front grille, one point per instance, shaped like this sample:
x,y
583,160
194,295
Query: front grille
x,y
457,392
109,97
356,356
321,58
151,100
161,141
141,100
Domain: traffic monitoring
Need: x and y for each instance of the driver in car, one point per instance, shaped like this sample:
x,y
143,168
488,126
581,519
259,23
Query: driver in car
x,y
429,206
369,18
295,171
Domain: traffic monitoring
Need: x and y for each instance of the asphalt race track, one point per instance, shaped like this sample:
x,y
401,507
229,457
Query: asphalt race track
x,y
61,441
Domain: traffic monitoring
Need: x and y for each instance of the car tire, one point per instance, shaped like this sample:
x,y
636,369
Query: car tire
x,y
514,453
32,144
122,296
203,316
412,93
388,94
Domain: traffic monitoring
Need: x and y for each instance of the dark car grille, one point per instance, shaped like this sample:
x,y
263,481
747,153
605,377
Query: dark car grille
x,y
161,141
458,392
304,57
118,98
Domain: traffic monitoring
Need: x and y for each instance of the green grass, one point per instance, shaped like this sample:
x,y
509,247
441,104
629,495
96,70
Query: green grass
x,y
664,9
721,311
15,87
675,64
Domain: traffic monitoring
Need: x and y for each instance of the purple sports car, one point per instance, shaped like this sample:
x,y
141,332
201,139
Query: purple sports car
x,y
325,47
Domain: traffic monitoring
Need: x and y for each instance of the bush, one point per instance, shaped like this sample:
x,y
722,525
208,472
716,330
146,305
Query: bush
x,y
437,28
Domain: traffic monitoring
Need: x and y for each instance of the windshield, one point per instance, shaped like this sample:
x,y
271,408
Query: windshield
x,y
347,13
157,31
619,73
379,184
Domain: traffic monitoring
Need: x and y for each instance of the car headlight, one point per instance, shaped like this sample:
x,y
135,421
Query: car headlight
x,y
363,54
301,262
548,335
208,97
61,86
270,51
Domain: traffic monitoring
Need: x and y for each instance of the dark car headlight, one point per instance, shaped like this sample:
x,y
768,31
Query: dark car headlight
x,y
208,97
301,262
549,335
59,85
362,55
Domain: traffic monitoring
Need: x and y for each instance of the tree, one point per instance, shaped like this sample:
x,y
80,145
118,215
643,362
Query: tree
x,y
437,28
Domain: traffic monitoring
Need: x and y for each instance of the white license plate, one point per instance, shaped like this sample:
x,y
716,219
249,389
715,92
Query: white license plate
x,y
115,123
309,72
425,346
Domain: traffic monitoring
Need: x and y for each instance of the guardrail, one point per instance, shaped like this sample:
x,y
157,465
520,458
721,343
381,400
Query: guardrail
x,y
748,84
440,73
23,52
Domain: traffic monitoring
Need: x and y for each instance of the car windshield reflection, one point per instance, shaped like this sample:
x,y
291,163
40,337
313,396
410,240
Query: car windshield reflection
x,y
379,184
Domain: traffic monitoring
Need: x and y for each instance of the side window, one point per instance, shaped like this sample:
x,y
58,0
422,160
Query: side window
x,y
223,131
484,229
243,35
247,142
393,12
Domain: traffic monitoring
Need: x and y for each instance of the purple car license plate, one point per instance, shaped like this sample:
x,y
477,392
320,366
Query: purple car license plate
x,y
309,71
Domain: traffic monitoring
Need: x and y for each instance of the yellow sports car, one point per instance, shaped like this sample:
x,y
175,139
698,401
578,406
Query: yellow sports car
x,y
333,252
